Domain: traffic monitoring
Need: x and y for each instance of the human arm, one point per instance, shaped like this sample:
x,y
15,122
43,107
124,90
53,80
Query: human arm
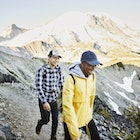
x,y
69,114
39,85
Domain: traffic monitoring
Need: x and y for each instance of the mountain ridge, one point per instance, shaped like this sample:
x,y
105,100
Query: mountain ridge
x,y
76,32
10,32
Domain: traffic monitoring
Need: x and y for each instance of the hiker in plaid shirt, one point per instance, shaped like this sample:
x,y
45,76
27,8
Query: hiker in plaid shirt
x,y
49,83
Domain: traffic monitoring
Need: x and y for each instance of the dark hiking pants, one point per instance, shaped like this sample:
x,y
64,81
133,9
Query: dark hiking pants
x,y
45,116
94,135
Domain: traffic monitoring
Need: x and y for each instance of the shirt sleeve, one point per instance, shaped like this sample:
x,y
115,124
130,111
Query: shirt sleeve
x,y
39,82
69,115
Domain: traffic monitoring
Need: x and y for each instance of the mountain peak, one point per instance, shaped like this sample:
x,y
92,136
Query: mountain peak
x,y
13,26
78,27
12,31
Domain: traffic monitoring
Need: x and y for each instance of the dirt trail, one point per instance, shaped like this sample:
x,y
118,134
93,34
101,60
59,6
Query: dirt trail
x,y
22,112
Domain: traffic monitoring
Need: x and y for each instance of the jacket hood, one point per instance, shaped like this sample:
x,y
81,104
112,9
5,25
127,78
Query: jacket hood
x,y
76,70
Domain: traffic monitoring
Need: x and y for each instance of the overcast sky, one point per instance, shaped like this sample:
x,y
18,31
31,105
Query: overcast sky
x,y
34,13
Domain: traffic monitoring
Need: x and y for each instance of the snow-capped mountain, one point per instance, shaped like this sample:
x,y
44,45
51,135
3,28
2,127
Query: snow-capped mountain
x,y
76,31
11,32
74,26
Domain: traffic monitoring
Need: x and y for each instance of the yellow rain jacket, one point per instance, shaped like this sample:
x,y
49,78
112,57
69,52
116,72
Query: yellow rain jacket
x,y
77,102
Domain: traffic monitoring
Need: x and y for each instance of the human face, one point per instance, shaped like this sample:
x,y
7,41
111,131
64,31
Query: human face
x,y
53,61
87,69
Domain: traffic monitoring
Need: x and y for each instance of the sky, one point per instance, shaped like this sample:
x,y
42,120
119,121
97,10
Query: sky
x,y
34,13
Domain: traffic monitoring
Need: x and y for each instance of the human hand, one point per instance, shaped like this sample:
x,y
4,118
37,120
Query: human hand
x,y
46,106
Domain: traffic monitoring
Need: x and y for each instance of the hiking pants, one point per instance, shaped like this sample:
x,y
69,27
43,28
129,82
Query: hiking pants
x,y
94,135
45,116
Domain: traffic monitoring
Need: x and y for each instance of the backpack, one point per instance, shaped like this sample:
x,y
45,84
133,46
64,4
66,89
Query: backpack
x,y
59,98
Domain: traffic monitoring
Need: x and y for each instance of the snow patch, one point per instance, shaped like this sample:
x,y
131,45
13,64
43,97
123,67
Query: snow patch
x,y
107,94
127,83
126,97
115,107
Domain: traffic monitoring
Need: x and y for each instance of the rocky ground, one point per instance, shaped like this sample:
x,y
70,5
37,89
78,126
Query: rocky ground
x,y
19,113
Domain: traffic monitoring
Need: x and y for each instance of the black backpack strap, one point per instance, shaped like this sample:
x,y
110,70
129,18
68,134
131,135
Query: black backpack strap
x,y
72,78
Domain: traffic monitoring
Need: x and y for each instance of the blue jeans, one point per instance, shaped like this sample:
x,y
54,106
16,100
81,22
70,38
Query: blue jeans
x,y
45,116
94,135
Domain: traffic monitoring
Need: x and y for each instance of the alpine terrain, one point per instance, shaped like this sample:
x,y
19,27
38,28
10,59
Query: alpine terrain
x,y
23,51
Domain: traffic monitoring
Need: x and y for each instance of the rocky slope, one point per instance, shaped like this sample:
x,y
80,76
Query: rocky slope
x,y
20,112
19,106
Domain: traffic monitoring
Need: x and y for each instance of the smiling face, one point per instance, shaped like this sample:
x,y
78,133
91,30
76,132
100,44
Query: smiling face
x,y
53,61
87,69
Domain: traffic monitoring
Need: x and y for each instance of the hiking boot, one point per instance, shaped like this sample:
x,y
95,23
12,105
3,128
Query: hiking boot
x,y
53,138
38,127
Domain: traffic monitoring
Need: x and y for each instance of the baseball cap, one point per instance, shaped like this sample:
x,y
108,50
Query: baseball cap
x,y
54,53
90,57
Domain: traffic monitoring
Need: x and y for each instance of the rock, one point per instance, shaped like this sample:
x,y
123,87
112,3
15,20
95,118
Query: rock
x,y
2,136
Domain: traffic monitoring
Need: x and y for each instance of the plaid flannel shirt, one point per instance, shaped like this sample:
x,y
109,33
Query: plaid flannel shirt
x,y
49,83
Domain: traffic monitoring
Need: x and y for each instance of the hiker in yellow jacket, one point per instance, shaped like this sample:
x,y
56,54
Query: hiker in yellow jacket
x,y
78,98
